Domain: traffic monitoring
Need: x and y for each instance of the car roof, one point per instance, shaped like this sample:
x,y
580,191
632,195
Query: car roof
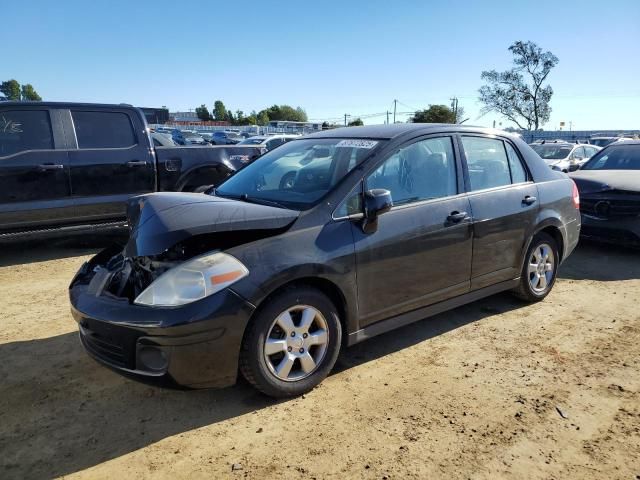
x,y
66,104
624,142
388,132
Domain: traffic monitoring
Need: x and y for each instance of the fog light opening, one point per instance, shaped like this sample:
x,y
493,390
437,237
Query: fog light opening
x,y
152,358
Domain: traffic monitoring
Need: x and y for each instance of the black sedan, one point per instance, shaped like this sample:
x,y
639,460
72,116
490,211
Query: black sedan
x,y
376,227
609,186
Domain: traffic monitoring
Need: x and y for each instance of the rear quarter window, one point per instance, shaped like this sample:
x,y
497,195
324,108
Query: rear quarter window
x,y
23,130
103,129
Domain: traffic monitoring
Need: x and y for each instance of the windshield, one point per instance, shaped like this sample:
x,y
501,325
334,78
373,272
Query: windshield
x,y
552,152
299,173
601,142
252,141
618,157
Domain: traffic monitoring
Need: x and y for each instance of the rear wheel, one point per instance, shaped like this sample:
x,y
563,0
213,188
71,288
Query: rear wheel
x,y
539,269
292,344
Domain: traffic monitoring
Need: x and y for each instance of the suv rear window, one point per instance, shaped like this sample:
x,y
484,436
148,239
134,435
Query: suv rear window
x,y
103,129
22,130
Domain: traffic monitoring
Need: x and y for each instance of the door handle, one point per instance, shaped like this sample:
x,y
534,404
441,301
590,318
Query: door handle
x,y
136,163
50,166
529,200
456,216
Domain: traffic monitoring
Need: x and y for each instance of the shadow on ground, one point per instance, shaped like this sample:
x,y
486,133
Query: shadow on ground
x,y
601,262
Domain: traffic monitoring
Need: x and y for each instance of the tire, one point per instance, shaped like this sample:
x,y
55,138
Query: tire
x,y
287,370
533,287
287,181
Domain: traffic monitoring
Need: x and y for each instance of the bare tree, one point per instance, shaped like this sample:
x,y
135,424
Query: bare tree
x,y
518,94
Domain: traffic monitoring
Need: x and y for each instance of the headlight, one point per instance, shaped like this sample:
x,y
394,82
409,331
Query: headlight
x,y
195,279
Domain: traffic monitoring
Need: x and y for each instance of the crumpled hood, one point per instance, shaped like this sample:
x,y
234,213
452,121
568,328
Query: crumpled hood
x,y
592,181
160,220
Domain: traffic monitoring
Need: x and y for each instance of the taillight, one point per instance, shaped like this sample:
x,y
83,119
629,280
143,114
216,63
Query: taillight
x,y
576,196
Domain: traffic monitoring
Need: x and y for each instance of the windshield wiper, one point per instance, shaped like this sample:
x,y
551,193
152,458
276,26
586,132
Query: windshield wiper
x,y
246,198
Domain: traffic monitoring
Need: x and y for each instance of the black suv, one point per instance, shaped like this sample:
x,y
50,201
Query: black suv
x,y
374,228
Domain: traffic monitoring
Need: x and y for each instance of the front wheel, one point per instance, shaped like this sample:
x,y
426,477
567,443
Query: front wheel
x,y
539,270
292,344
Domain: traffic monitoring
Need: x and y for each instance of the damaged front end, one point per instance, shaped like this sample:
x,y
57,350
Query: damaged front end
x,y
160,304
169,229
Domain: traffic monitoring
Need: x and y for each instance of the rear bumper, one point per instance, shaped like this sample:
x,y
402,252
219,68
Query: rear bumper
x,y
620,230
196,345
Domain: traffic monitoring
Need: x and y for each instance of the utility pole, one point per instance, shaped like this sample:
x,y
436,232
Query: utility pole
x,y
388,112
345,119
395,103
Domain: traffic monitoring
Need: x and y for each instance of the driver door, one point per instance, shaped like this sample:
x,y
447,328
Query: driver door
x,y
421,251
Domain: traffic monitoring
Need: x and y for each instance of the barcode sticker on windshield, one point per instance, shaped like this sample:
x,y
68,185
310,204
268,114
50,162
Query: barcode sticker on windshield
x,y
355,143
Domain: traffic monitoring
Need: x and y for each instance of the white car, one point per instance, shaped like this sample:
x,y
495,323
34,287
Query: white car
x,y
268,141
565,156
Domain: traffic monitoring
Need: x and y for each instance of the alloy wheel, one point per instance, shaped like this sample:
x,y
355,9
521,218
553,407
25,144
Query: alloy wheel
x,y
541,267
296,343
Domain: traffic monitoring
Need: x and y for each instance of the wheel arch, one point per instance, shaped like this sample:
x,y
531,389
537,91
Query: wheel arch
x,y
322,284
553,227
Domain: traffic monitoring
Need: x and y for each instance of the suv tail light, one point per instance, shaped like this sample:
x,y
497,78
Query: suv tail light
x,y
576,196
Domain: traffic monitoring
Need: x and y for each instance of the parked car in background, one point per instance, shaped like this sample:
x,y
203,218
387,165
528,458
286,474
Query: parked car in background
x,y
564,156
194,139
609,186
269,141
162,140
208,136
187,137
225,138
71,166
385,226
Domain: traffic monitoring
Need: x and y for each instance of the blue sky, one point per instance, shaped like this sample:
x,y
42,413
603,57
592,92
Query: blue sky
x,y
329,57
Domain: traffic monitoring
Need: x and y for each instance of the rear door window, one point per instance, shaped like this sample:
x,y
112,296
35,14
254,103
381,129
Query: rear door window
x,y
23,130
103,129
488,163
518,172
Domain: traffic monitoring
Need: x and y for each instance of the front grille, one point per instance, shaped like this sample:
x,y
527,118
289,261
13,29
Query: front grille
x,y
103,348
613,203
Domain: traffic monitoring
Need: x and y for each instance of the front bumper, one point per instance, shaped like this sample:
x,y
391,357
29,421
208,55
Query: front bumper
x,y
618,230
195,345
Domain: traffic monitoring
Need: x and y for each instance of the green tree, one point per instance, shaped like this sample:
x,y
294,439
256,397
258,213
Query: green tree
x,y
29,93
262,118
302,115
434,114
518,94
252,119
11,89
241,119
219,111
286,113
356,123
229,117
203,113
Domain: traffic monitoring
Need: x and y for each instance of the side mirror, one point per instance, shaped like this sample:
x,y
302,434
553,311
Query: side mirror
x,y
376,202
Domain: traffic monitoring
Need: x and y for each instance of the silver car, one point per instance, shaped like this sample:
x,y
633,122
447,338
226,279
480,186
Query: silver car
x,y
565,157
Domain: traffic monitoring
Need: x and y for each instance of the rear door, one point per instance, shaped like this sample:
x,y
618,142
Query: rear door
x,y
111,162
504,206
34,169
421,251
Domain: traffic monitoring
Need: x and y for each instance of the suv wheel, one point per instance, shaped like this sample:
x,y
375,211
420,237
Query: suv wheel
x,y
292,344
539,269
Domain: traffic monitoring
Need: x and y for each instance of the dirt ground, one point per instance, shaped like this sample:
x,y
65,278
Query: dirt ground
x,y
495,389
